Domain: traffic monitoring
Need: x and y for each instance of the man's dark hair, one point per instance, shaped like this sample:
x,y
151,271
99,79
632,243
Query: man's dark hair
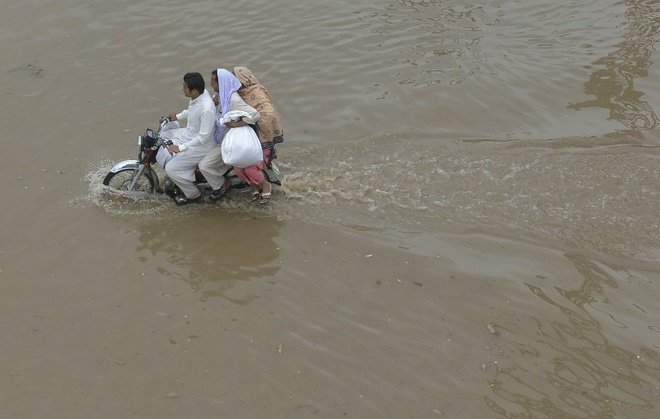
x,y
194,81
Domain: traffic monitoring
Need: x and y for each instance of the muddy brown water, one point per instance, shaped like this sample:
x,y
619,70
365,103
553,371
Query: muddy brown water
x,y
467,225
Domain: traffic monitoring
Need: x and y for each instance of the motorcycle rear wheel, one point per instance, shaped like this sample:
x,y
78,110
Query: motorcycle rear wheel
x,y
121,180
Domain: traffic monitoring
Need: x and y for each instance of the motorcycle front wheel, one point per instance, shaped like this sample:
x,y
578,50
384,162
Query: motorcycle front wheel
x,y
121,181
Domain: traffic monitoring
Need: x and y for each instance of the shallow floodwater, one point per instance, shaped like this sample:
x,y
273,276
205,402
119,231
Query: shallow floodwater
x,y
467,224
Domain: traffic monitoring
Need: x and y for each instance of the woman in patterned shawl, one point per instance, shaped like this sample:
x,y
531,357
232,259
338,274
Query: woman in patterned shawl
x,y
269,129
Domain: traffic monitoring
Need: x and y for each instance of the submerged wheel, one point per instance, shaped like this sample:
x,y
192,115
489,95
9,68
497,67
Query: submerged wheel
x,y
121,180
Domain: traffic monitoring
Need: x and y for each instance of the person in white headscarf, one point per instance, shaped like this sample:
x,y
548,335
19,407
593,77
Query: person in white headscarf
x,y
212,166
192,143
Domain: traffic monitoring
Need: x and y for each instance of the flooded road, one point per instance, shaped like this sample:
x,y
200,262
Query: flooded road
x,y
467,224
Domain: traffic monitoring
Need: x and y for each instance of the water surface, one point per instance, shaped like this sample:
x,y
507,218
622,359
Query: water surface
x,y
467,225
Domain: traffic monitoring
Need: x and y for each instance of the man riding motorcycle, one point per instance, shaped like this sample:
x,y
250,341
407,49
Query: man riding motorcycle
x,y
192,143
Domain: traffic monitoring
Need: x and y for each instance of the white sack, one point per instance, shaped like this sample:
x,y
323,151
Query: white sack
x,y
241,147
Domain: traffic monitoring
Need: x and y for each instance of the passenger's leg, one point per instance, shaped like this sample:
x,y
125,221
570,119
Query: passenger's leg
x,y
254,177
214,168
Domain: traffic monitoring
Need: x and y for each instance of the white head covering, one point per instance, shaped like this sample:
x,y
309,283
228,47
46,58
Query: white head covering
x,y
227,84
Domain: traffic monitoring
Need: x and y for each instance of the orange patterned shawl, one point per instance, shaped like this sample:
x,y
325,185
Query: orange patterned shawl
x,y
256,95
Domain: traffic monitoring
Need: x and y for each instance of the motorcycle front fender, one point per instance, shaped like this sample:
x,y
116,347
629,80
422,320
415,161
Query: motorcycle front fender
x,y
126,164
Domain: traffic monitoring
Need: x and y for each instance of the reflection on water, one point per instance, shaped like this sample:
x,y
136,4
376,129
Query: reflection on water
x,y
212,254
588,375
613,82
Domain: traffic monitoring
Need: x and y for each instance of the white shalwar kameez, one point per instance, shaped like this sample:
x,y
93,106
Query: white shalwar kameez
x,y
194,141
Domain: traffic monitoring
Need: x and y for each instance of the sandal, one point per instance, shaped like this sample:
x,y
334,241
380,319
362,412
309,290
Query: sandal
x,y
255,196
217,194
184,200
265,197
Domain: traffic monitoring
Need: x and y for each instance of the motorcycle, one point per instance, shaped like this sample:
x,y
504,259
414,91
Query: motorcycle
x,y
140,176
